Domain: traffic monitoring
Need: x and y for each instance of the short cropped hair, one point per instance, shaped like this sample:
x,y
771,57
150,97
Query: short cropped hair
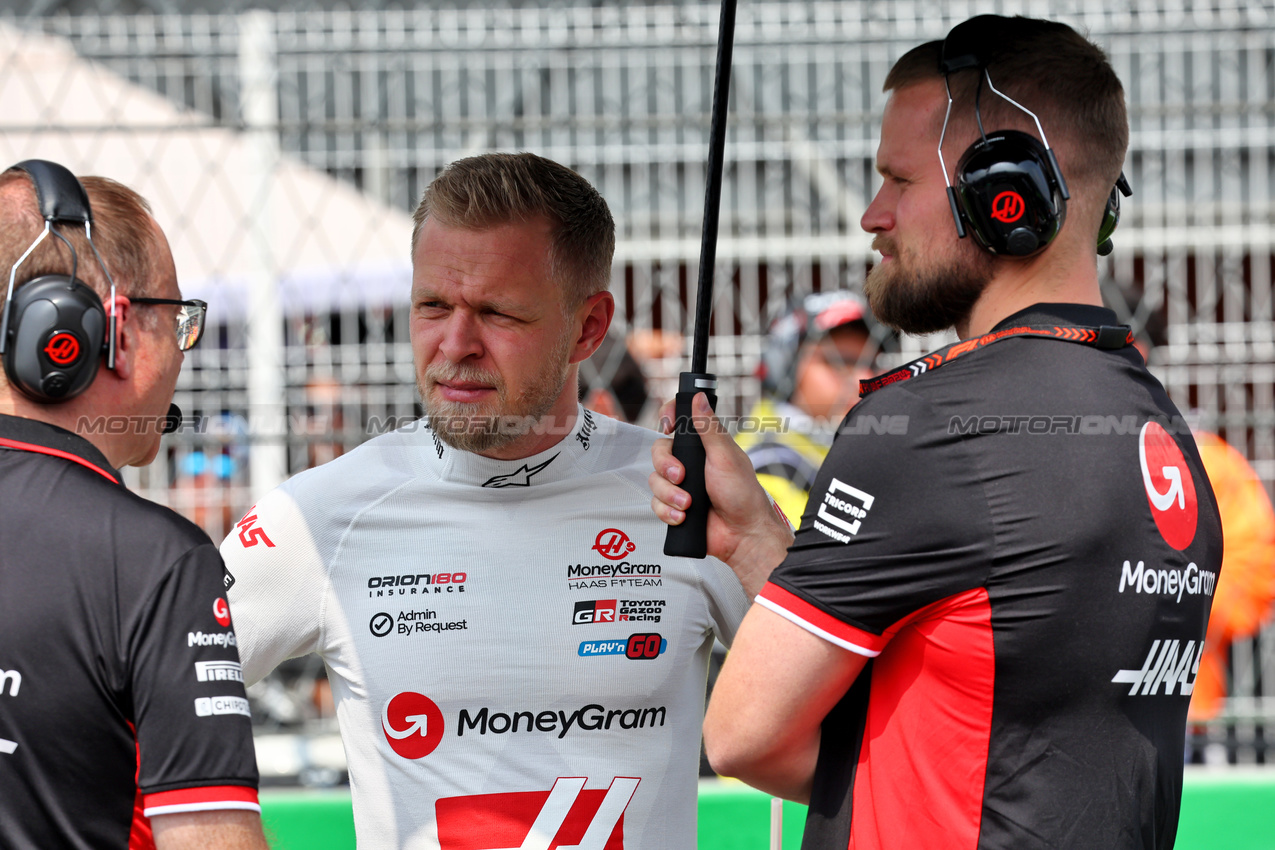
x,y
123,231
498,188
1052,70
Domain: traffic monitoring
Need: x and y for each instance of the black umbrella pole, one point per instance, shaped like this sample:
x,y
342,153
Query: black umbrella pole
x,y
689,539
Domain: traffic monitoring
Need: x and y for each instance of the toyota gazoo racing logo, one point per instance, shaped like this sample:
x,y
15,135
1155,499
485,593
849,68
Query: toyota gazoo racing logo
x,y
566,817
1008,207
221,612
593,611
613,544
413,724
1170,490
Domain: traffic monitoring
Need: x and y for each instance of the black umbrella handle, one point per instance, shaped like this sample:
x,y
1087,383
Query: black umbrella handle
x,y
690,539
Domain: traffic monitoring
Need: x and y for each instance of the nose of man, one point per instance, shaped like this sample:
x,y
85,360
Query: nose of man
x,y
460,337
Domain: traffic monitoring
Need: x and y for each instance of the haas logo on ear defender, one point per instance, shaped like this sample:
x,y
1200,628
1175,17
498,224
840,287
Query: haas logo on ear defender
x,y
1008,207
1170,490
63,348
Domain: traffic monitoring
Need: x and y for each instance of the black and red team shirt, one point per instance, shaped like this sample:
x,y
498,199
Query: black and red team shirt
x,y
1025,544
121,695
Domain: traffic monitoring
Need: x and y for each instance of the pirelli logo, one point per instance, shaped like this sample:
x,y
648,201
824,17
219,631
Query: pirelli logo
x,y
218,671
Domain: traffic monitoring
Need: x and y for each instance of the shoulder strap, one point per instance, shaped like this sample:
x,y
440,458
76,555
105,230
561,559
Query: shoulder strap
x,y
1104,338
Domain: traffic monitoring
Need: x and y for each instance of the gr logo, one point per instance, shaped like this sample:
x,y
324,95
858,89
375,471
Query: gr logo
x,y
413,724
594,611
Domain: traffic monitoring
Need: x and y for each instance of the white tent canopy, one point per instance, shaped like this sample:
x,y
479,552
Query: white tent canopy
x,y
238,215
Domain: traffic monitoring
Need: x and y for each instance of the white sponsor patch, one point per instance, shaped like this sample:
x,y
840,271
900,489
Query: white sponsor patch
x,y
218,671
213,706
838,517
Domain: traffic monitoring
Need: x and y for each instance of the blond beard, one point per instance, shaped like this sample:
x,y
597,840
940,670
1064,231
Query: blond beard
x,y
483,428
916,297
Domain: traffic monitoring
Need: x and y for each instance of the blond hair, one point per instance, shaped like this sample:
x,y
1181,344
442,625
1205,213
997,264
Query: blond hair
x,y
492,189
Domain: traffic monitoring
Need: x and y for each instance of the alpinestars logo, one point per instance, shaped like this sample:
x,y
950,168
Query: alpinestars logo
x,y
413,724
566,817
840,518
1170,490
1169,663
519,478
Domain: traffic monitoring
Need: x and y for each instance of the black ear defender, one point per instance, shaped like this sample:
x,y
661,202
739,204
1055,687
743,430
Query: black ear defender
x,y
1111,215
1010,193
54,328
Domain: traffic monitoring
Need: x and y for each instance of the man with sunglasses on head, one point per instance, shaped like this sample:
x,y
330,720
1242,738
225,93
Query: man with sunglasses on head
x,y
123,719
987,630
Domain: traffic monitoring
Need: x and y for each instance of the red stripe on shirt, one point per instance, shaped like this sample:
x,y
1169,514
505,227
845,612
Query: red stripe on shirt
x,y
919,780
140,836
808,615
45,450
202,799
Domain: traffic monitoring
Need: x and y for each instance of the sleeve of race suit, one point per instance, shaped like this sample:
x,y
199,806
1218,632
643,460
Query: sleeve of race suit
x,y
275,579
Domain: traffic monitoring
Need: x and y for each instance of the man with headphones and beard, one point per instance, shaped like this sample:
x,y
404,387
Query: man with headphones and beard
x,y
123,719
987,634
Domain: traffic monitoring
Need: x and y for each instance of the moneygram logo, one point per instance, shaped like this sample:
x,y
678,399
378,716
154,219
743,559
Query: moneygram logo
x,y
413,725
221,612
1170,490
613,544
564,817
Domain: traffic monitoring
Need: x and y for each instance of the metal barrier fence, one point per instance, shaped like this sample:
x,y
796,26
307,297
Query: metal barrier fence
x,y
284,152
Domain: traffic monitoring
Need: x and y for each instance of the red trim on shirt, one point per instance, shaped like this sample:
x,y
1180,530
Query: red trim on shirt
x,y
924,756
140,836
810,615
45,450
202,799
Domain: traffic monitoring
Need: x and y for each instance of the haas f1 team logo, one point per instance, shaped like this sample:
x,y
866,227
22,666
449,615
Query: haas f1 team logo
x,y
1008,207
63,348
1170,490
566,817
250,534
413,724
613,544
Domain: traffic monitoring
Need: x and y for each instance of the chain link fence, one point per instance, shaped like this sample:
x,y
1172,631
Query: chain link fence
x,y
284,152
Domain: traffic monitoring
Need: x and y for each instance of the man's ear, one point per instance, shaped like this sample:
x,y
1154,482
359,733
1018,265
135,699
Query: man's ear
x,y
125,334
595,316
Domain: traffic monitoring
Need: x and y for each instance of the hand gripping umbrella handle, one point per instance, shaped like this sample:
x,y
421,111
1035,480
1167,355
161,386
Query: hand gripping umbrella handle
x,y
690,539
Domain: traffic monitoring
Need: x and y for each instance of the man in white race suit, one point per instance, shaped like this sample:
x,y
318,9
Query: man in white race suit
x,y
514,661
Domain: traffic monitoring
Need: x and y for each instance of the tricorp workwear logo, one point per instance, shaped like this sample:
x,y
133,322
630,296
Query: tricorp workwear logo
x,y
613,544
1170,490
413,724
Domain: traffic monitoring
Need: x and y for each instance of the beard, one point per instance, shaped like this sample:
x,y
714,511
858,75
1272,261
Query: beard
x,y
486,427
924,296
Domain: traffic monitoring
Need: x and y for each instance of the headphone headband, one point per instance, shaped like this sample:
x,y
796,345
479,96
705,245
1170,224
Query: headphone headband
x,y
60,195
55,328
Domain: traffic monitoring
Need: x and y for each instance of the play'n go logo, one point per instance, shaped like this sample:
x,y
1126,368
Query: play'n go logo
x,y
613,544
1170,490
413,724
